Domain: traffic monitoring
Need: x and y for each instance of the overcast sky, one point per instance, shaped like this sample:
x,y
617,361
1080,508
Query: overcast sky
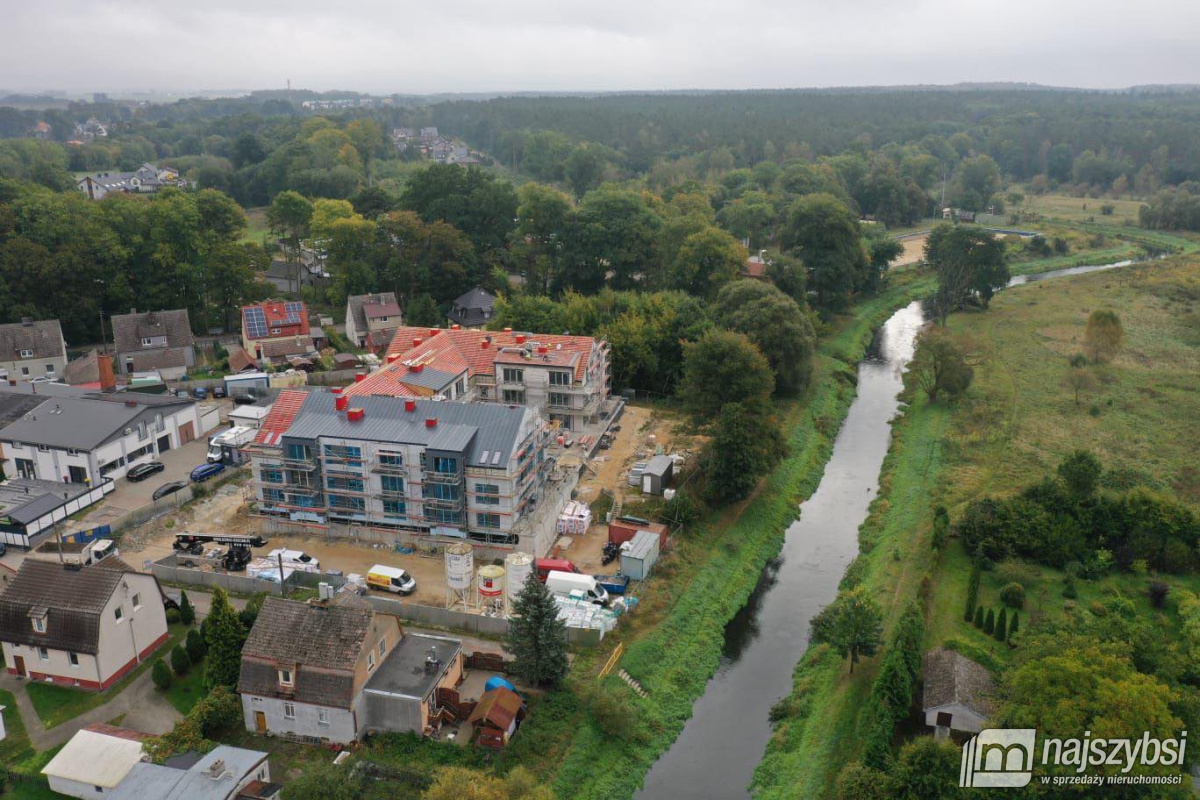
x,y
387,46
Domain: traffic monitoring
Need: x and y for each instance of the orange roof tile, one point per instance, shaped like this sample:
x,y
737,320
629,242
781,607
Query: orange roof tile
x,y
276,423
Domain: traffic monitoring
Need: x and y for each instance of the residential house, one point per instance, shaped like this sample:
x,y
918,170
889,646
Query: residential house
x,y
372,319
95,761
564,378
756,266
957,692
304,667
403,694
42,130
154,340
32,349
146,179
89,437
472,309
223,773
404,464
80,626
276,330
92,129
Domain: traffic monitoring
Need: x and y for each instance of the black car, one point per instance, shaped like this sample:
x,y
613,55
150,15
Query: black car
x,y
218,392
143,471
168,488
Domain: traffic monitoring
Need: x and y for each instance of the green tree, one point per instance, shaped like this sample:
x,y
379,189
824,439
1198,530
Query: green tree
x,y
1080,473
194,643
1001,629
825,235
857,781
423,312
289,216
536,637
1015,625
979,617
160,674
224,636
461,783
776,323
585,168
707,260
612,239
940,364
1103,336
736,454
1013,595
852,624
989,622
970,264
723,367
180,662
925,769
187,613
543,216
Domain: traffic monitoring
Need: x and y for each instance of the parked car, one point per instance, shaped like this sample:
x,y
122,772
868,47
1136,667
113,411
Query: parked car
x,y
168,488
181,394
143,471
3,548
218,392
200,393
206,471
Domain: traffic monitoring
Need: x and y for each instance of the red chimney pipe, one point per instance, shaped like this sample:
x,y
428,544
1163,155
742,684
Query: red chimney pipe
x,y
417,341
393,358
434,331
104,366
520,338
508,330
359,377
354,415
340,402
484,343
431,422
456,327
543,349
417,368
337,390
410,406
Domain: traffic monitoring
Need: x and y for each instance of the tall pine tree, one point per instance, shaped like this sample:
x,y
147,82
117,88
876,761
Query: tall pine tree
x,y
536,637
224,636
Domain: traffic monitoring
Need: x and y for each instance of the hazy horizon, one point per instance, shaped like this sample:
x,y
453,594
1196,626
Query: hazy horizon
x,y
539,46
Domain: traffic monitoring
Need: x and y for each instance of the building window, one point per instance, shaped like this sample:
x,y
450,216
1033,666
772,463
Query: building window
x,y
289,711
147,342
488,500
343,454
322,716
560,399
42,448
391,460
49,369
514,397
441,491
370,660
39,624
560,378
382,646
395,508
512,375
73,658
26,354
393,484
346,502
137,601
298,452
344,484
43,654
272,473
118,613
273,495
445,464
24,370
285,677
443,516
488,520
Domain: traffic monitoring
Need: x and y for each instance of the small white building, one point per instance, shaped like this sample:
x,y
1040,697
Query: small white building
x,y
95,761
957,693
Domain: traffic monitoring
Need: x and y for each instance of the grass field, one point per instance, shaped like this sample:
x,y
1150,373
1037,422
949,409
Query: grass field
x,y
1080,209
185,692
1014,426
58,704
257,231
19,759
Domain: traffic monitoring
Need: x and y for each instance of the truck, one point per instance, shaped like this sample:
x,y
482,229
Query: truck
x,y
234,559
571,584
298,560
225,447
74,552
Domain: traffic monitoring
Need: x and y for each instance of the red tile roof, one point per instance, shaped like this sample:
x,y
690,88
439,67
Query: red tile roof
x,y
453,351
755,267
277,318
119,733
276,423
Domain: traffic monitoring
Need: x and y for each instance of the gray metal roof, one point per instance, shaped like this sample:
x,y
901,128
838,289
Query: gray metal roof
x,y
427,378
82,423
25,500
659,465
404,672
641,545
155,782
468,428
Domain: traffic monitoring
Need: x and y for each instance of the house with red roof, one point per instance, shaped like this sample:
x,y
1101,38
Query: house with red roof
x,y
565,378
276,330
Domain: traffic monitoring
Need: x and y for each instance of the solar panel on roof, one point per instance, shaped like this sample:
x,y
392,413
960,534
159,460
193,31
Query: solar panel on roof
x,y
256,322
293,311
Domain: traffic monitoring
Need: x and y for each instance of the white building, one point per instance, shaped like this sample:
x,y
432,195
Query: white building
x,y
95,761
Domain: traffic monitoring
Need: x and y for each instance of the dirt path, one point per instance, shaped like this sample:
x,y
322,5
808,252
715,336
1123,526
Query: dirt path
x,y
914,252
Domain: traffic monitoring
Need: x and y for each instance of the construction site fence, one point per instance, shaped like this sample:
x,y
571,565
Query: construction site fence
x,y
170,570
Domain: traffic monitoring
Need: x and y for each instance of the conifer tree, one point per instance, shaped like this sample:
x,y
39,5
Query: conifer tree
x,y
187,614
989,622
536,637
1001,632
1015,626
160,674
979,617
224,636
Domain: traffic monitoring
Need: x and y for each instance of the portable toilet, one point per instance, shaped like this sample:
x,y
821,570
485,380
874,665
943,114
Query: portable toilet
x,y
638,557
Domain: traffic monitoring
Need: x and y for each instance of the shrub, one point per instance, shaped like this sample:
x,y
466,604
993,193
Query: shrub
x,y
180,663
972,594
160,674
941,527
1015,625
979,617
1158,593
857,781
1013,595
194,644
172,616
989,623
1001,632
1069,590
187,614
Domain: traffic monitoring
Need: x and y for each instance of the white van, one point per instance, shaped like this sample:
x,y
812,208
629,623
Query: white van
x,y
391,579
296,559
564,583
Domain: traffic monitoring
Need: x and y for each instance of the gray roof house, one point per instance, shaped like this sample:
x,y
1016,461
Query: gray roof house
x,y
32,349
372,319
224,773
304,666
957,692
472,309
154,340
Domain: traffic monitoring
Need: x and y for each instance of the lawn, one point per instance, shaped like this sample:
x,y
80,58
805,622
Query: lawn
x,y
257,231
185,692
58,704
1081,209
1014,426
18,756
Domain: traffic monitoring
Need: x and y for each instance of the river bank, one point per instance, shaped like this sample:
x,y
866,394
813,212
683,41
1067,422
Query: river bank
x,y
606,753
976,442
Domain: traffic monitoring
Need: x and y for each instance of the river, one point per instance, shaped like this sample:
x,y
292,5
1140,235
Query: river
x,y
719,747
